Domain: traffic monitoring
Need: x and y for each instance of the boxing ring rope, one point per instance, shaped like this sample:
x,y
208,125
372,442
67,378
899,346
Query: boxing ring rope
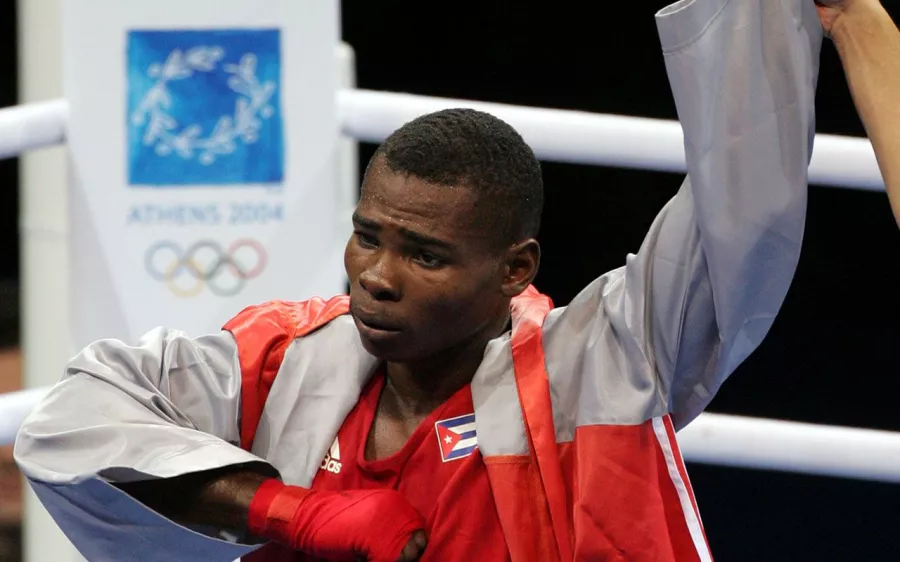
x,y
559,135
578,137
593,139
32,126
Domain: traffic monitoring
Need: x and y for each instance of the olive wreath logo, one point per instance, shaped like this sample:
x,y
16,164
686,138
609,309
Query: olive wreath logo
x,y
168,136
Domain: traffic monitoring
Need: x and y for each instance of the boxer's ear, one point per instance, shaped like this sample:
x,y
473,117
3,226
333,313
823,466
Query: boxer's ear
x,y
520,267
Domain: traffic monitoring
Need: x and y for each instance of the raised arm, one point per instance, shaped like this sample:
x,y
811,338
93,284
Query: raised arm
x,y
661,334
868,43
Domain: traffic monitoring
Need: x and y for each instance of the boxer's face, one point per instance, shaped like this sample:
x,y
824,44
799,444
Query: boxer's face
x,y
424,275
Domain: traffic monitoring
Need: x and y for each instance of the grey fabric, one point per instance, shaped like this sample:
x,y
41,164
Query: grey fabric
x,y
662,333
319,382
498,417
166,406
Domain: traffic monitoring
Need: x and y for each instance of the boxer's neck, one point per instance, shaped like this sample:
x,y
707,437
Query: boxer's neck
x,y
412,391
415,389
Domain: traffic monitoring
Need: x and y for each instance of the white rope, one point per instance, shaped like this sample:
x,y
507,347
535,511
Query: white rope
x,y
32,126
822,450
14,407
554,134
580,137
717,439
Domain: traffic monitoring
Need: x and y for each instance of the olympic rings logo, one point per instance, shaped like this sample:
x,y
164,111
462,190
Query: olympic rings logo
x,y
205,264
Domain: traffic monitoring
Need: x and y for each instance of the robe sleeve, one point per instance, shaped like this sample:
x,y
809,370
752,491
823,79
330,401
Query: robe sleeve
x,y
706,284
168,406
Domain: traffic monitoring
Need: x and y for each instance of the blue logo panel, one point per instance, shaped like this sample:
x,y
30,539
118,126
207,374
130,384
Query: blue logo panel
x,y
204,107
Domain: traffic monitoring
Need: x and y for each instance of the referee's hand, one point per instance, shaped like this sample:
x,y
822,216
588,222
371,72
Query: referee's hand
x,y
831,11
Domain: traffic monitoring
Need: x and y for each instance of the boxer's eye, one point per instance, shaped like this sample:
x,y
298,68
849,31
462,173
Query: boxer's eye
x,y
366,240
429,260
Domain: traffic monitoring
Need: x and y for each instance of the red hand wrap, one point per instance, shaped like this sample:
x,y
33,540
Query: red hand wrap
x,y
375,524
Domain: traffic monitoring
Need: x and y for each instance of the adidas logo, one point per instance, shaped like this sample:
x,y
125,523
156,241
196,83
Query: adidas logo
x,y
332,460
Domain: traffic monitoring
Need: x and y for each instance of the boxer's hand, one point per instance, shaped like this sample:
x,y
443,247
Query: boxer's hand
x,y
375,525
414,548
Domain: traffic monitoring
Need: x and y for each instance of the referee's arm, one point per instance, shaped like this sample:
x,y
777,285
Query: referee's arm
x,y
868,43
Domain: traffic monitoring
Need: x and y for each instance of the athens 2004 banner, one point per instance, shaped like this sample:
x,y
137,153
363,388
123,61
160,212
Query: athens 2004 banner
x,y
203,140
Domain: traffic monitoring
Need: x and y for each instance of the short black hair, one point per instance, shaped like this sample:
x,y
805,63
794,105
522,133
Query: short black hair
x,y
465,147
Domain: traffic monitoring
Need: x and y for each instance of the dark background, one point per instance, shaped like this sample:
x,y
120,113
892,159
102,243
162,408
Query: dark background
x,y
833,355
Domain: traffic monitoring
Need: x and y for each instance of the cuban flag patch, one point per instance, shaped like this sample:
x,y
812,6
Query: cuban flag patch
x,y
456,437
